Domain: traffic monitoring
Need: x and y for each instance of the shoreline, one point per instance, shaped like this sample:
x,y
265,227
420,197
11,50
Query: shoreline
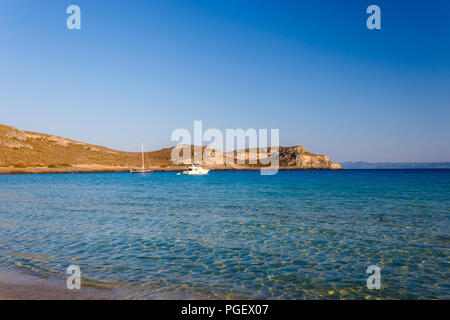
x,y
22,284
5,171
14,171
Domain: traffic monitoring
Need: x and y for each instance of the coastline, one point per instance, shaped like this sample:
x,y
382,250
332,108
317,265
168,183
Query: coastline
x,y
5,171
26,152
10,171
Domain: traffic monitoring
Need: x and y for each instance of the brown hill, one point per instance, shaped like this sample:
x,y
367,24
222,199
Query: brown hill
x,y
31,152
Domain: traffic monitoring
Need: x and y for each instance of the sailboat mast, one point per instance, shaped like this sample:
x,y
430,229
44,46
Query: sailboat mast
x,y
143,168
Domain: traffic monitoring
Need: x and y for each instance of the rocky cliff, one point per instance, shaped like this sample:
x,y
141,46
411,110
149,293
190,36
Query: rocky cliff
x,y
298,157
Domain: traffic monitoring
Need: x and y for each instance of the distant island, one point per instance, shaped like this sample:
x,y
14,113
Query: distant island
x,y
32,152
395,165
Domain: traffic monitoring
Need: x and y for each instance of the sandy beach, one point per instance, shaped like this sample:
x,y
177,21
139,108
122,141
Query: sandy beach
x,y
19,284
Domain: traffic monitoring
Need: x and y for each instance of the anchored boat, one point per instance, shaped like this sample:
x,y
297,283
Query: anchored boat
x,y
142,169
196,170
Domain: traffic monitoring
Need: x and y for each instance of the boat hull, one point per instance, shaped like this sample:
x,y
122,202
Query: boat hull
x,y
140,171
196,173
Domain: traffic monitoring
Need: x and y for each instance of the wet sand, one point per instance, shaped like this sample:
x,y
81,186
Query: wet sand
x,y
18,284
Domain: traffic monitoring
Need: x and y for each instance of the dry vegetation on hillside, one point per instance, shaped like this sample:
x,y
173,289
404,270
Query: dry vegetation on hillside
x,y
22,150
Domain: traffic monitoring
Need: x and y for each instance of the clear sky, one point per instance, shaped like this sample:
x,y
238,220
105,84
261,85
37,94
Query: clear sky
x,y
137,70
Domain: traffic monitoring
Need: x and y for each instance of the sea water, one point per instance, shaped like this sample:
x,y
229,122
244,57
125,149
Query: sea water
x,y
236,234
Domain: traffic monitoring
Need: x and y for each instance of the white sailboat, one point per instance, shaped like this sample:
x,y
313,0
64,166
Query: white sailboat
x,y
142,169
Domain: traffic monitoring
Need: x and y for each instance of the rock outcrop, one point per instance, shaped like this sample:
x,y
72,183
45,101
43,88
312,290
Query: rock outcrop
x,y
298,157
295,157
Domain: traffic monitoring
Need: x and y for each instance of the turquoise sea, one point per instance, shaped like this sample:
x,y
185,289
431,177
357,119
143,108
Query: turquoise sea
x,y
237,234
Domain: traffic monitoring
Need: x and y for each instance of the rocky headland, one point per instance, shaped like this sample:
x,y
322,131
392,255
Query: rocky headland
x,y
31,152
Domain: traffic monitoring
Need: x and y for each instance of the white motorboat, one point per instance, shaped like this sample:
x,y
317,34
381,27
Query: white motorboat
x,y
142,169
196,170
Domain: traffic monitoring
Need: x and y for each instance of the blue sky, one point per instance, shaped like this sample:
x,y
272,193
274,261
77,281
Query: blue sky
x,y
137,70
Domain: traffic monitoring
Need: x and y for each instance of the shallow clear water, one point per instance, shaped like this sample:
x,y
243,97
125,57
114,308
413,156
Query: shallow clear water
x,y
298,234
